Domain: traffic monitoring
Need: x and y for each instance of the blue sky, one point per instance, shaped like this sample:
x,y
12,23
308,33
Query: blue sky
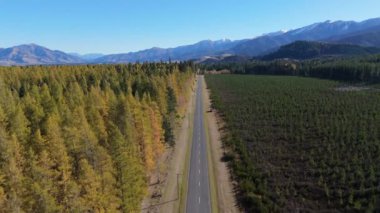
x,y
115,26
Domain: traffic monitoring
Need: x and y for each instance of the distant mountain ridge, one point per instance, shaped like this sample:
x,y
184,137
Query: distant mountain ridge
x,y
35,54
187,52
87,57
260,45
311,49
316,32
365,33
368,37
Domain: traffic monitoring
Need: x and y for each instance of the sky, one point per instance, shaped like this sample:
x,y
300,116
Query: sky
x,y
116,26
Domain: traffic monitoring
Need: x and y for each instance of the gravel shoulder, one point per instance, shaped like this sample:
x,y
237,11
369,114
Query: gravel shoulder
x,y
224,187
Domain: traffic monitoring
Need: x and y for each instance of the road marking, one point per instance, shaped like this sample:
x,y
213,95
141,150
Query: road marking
x,y
199,183
199,199
199,171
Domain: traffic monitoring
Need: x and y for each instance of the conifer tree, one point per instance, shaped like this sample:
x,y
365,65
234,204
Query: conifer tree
x,y
12,165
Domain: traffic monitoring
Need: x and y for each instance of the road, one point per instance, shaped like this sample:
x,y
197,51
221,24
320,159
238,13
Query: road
x,y
198,193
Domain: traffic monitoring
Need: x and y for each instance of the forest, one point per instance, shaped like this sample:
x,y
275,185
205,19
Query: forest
x,y
85,138
353,69
299,144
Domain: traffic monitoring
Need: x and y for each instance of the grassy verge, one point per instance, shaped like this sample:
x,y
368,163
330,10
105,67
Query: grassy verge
x,y
185,174
211,168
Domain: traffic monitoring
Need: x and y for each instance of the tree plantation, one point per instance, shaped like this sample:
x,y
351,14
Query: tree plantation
x,y
299,144
353,69
85,138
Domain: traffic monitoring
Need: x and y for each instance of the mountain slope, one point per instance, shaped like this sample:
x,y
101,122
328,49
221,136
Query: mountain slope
x,y
87,57
33,54
369,37
308,50
315,32
187,52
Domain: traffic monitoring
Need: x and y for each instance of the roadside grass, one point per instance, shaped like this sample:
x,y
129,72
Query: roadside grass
x,y
182,179
185,174
211,168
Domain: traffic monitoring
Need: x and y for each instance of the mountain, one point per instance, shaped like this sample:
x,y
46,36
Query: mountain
x,y
88,57
187,52
247,47
222,59
33,54
369,38
315,32
309,49
365,39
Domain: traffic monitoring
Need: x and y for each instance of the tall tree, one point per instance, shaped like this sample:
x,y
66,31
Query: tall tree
x,y
12,165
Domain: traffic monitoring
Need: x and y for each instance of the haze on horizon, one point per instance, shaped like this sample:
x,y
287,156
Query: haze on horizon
x,y
122,26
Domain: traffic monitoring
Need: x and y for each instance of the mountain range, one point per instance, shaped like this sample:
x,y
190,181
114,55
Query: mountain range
x,y
365,33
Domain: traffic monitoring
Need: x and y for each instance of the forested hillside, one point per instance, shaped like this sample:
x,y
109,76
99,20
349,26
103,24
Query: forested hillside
x,y
85,138
355,69
307,49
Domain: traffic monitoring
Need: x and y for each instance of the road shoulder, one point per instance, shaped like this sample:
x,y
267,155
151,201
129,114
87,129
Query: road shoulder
x,y
224,188
171,200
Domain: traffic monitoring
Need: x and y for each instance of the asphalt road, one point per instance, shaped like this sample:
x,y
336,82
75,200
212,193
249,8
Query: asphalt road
x,y
198,193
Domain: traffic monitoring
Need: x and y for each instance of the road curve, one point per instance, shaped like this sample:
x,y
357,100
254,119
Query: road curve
x,y
198,193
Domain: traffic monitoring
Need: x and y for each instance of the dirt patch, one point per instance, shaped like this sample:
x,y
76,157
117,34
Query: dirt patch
x,y
224,185
156,184
218,72
351,88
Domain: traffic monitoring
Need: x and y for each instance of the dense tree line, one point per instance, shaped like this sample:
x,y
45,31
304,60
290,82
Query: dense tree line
x,y
298,144
85,138
359,69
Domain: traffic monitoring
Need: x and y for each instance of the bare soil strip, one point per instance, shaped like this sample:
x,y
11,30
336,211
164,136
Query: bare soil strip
x,y
224,186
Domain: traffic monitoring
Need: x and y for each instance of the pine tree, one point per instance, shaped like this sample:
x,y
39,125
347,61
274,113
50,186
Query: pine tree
x,y
12,165
56,147
130,171
90,195
19,125
42,190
